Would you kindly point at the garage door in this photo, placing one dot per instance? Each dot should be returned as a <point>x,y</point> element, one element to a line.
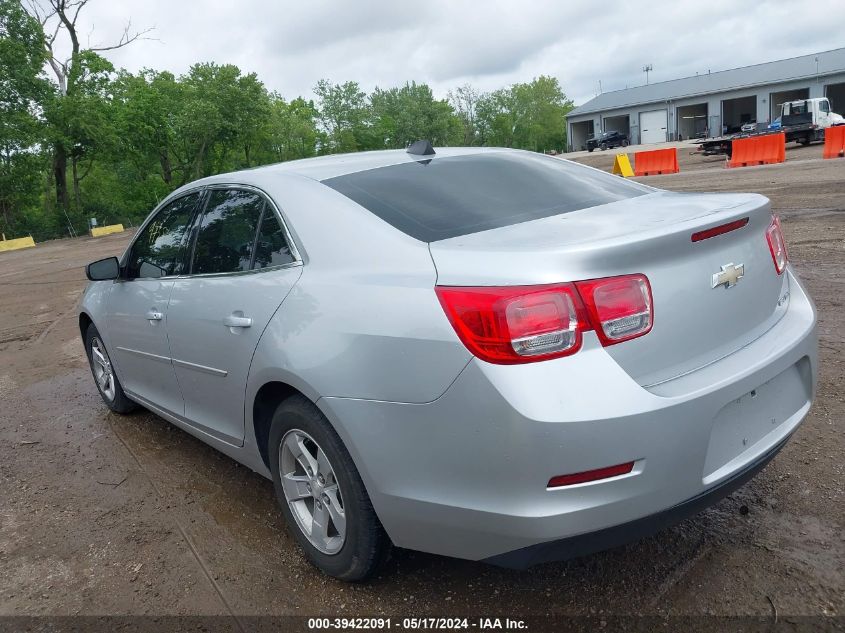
<point>653,126</point>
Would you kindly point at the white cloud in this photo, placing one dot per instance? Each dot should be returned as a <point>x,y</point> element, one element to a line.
<point>449,42</point>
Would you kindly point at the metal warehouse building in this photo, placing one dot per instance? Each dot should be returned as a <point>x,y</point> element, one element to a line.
<point>710,104</point>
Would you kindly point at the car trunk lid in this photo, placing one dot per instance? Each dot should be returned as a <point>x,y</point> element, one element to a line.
<point>695,323</point>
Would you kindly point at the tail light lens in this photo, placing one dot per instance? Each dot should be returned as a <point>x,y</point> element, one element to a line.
<point>620,308</point>
<point>777,245</point>
<point>522,324</point>
<point>516,324</point>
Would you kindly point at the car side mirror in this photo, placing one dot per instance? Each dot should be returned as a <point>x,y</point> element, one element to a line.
<point>103,269</point>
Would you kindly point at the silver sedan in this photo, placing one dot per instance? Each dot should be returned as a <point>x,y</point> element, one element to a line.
<point>482,353</point>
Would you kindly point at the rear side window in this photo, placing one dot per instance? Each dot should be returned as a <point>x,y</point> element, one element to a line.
<point>437,199</point>
<point>159,250</point>
<point>226,236</point>
<point>271,247</point>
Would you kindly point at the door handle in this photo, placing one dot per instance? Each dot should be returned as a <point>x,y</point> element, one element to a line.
<point>154,315</point>
<point>235,320</point>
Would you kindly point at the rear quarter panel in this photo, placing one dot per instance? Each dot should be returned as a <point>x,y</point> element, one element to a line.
<point>363,321</point>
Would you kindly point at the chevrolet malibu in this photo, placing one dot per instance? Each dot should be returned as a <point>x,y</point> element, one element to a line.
<point>482,353</point>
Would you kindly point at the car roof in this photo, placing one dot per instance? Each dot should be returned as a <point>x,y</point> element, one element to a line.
<point>333,165</point>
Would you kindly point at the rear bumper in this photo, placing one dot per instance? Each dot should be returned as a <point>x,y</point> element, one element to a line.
<point>466,474</point>
<point>616,535</point>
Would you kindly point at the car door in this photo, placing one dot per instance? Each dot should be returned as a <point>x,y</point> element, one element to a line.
<point>137,305</point>
<point>243,267</point>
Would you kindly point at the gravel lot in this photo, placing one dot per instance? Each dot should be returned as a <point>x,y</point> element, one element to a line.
<point>102,514</point>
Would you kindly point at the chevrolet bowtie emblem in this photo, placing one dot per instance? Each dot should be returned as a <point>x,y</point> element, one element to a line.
<point>729,275</point>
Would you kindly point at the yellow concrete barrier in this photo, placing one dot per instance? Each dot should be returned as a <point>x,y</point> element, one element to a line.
<point>99,231</point>
<point>15,244</point>
<point>622,166</point>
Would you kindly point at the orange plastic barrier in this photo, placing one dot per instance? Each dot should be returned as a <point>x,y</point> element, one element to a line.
<point>758,150</point>
<point>657,161</point>
<point>834,142</point>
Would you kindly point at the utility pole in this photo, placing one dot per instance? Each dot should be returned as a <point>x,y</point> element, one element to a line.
<point>647,69</point>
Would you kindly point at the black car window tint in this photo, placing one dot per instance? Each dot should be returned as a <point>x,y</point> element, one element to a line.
<point>226,235</point>
<point>159,250</point>
<point>445,197</point>
<point>271,247</point>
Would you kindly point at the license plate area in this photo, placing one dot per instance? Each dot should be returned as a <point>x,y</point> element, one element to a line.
<point>744,423</point>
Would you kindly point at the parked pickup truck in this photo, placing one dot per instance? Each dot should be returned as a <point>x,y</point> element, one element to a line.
<point>604,140</point>
<point>802,121</point>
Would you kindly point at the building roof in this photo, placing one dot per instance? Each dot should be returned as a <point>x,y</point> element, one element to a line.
<point>829,62</point>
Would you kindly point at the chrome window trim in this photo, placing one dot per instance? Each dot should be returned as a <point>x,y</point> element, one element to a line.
<point>295,264</point>
<point>268,200</point>
<point>222,185</point>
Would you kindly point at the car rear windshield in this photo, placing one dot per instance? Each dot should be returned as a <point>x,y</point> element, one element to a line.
<point>446,197</point>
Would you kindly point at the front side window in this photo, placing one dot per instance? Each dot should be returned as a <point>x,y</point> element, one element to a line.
<point>159,250</point>
<point>824,106</point>
<point>227,231</point>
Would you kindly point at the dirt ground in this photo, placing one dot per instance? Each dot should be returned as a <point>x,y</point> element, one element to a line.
<point>103,514</point>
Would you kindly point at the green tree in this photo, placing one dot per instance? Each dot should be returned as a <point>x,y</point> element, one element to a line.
<point>222,118</point>
<point>291,132</point>
<point>145,107</point>
<point>541,114</point>
<point>80,82</point>
<point>410,113</point>
<point>528,116</point>
<point>464,100</point>
<point>344,116</point>
<point>22,88</point>
<point>78,122</point>
<point>496,118</point>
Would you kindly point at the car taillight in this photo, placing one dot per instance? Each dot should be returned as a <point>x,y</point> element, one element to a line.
<point>522,324</point>
<point>620,308</point>
<point>777,245</point>
<point>516,324</point>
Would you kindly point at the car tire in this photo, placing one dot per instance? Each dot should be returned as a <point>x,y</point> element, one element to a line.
<point>318,493</point>
<point>104,375</point>
<point>624,143</point>
<point>603,146</point>
<point>590,149</point>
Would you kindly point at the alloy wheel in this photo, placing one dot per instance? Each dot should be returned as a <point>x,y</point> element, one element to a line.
<point>103,372</point>
<point>311,490</point>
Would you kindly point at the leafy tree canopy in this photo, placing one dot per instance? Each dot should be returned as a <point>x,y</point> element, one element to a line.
<point>106,143</point>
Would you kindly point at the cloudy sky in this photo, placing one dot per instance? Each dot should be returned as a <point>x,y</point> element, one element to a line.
<point>488,43</point>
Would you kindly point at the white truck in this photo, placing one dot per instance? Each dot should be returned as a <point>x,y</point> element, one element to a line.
<point>802,121</point>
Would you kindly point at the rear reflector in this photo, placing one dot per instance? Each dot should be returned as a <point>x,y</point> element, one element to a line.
<point>591,475</point>
<point>719,230</point>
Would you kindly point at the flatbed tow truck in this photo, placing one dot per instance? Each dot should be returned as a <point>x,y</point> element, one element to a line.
<point>803,121</point>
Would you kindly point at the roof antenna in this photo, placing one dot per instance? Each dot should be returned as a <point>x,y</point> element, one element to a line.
<point>421,148</point>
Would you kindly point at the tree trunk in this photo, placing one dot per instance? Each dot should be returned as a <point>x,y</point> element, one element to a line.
<point>77,194</point>
<point>7,223</point>
<point>199,159</point>
<point>60,176</point>
<point>166,167</point>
